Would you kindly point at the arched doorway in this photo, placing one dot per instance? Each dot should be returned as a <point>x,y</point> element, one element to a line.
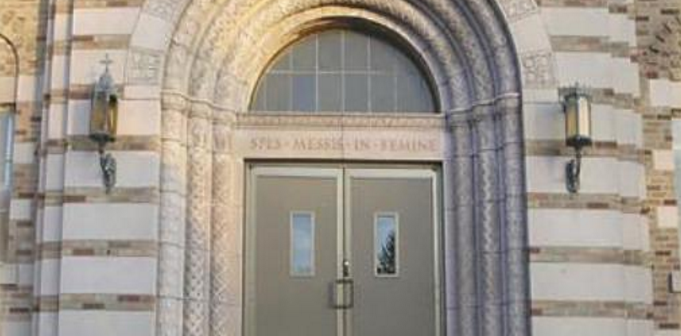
<point>476,139</point>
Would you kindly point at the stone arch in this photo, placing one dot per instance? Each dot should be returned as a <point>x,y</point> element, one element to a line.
<point>209,69</point>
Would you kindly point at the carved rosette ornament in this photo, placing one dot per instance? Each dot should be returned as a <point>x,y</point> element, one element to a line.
<point>212,65</point>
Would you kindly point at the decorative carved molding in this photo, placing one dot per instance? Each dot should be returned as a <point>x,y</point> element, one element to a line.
<point>516,10</point>
<point>538,69</point>
<point>144,66</point>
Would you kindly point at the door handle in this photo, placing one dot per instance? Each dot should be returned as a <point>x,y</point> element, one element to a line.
<point>344,293</point>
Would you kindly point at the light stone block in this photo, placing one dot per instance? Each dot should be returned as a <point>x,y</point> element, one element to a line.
<point>636,232</point>
<point>25,274</point>
<point>134,169</point>
<point>639,284</point>
<point>625,76</point>
<point>47,323</point>
<point>667,217</point>
<point>110,221</point>
<point>79,117</point>
<point>576,282</point>
<point>113,275</point>
<point>61,30</point>
<point>544,121</point>
<point>575,228</point>
<point>582,326</point>
<point>49,276</point>
<point>622,29</point>
<point>576,21</point>
<point>667,333</point>
<point>541,96</point>
<point>54,172</point>
<point>664,93</point>
<point>105,21</point>
<point>20,209</point>
<point>26,91</point>
<point>152,32</point>
<point>603,122</point>
<point>15,327</point>
<point>529,34</point>
<point>547,174</point>
<point>597,70</point>
<point>142,92</point>
<point>632,179</point>
<point>663,160</point>
<point>629,127</point>
<point>140,117</point>
<point>24,153</point>
<point>8,274</point>
<point>106,323</point>
<point>59,66</point>
<point>89,65</point>
<point>55,121</point>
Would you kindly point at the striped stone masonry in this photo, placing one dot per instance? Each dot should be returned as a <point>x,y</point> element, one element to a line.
<point>83,262</point>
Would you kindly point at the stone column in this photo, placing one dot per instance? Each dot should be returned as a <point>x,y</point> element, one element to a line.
<point>464,281</point>
<point>197,254</point>
<point>225,264</point>
<point>489,216</point>
<point>515,233</point>
<point>172,229</point>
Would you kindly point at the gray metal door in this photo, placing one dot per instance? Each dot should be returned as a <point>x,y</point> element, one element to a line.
<point>346,252</point>
<point>392,253</point>
<point>293,252</point>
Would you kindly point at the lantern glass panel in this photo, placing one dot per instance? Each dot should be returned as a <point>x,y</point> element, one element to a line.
<point>104,117</point>
<point>584,109</point>
<point>571,119</point>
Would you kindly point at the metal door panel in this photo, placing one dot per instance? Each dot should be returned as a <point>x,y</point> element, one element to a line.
<point>283,302</point>
<point>403,304</point>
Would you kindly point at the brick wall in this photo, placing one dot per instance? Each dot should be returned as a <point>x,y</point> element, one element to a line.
<point>658,31</point>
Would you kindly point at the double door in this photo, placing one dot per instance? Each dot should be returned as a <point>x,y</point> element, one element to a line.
<point>342,252</point>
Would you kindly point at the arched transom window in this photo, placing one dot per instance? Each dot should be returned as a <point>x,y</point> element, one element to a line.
<point>343,71</point>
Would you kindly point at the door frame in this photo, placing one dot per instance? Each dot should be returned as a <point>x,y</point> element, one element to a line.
<point>343,173</point>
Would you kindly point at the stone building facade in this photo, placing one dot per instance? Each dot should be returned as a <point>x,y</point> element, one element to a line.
<point>164,252</point>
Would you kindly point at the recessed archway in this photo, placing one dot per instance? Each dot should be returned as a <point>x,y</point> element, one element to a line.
<point>212,67</point>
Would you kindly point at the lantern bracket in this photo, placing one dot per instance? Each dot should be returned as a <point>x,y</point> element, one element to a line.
<point>572,171</point>
<point>103,123</point>
<point>576,103</point>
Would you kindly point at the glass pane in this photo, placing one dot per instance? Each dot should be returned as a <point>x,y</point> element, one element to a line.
<point>340,70</point>
<point>330,51</point>
<point>278,92</point>
<point>356,52</point>
<point>386,245</point>
<point>381,56</point>
<point>302,244</point>
<point>356,93</point>
<point>382,93</point>
<point>304,92</point>
<point>412,94</point>
<point>304,55</point>
<point>330,93</point>
<point>283,63</point>
<point>259,99</point>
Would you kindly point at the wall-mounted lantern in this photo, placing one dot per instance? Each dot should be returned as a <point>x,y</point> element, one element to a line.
<point>577,109</point>
<point>104,121</point>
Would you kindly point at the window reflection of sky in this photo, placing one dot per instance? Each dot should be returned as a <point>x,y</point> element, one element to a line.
<point>302,244</point>
<point>386,228</point>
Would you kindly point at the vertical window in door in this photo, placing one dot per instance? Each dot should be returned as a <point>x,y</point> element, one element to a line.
<point>302,244</point>
<point>386,244</point>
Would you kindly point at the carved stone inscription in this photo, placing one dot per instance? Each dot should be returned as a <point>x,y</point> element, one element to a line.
<point>340,144</point>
